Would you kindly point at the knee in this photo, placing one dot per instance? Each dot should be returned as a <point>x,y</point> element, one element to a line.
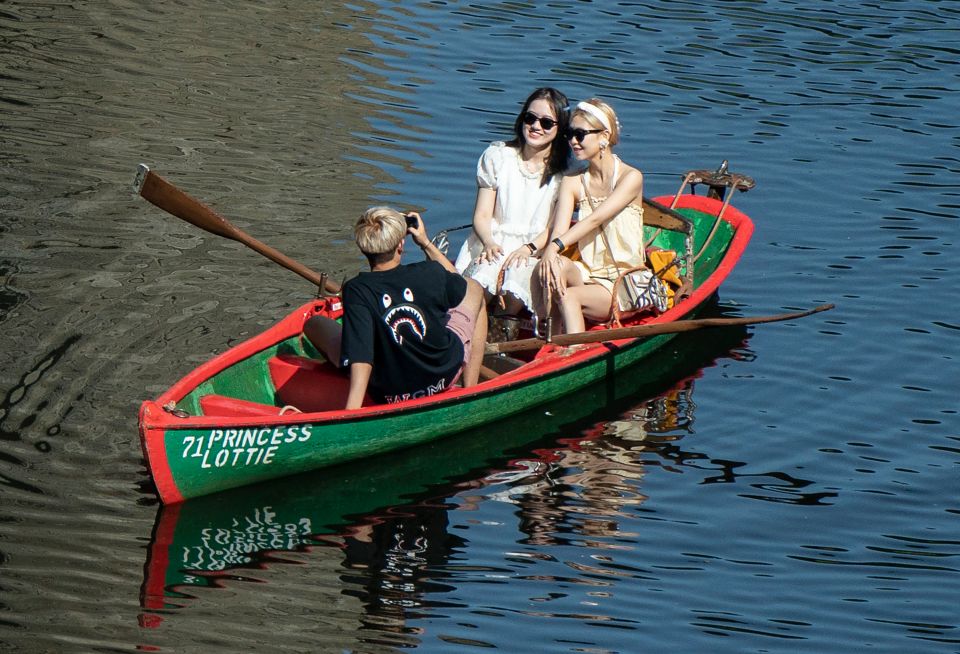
<point>321,325</point>
<point>325,335</point>
<point>571,296</point>
<point>475,296</point>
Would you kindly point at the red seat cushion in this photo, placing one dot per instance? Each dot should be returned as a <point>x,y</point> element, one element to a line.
<point>308,384</point>
<point>221,405</point>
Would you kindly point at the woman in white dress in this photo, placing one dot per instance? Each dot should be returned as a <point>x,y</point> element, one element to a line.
<point>517,187</point>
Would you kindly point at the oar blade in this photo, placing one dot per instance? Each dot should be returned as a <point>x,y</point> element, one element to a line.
<point>157,191</point>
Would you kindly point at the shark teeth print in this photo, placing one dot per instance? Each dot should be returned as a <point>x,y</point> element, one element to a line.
<point>408,319</point>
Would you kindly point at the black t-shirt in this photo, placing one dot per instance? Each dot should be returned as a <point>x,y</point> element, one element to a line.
<point>396,320</point>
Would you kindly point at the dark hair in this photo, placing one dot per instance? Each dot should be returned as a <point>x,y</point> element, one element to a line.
<point>559,147</point>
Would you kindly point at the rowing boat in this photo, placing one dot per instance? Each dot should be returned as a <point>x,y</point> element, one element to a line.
<point>271,406</point>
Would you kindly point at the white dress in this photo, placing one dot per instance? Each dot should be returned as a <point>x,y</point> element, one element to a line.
<point>522,210</point>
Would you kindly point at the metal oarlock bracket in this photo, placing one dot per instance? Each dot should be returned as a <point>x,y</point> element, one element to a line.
<point>171,408</point>
<point>719,181</point>
<point>322,291</point>
<point>322,286</point>
<point>442,241</point>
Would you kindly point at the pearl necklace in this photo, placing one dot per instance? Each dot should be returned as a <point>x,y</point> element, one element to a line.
<point>539,164</point>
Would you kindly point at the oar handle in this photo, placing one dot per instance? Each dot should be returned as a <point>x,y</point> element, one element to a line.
<point>644,331</point>
<point>161,193</point>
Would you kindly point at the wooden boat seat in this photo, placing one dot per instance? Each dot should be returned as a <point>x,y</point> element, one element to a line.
<point>221,405</point>
<point>308,384</point>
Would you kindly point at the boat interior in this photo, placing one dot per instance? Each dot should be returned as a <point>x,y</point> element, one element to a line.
<point>285,377</point>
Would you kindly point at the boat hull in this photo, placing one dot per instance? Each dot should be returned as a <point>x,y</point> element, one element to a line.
<point>196,455</point>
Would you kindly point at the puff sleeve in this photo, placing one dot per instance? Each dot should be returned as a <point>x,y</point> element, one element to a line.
<point>489,166</point>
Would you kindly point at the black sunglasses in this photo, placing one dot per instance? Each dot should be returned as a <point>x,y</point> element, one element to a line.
<point>579,134</point>
<point>531,118</point>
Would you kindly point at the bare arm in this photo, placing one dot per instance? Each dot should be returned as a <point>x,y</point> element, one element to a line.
<point>359,379</point>
<point>550,264</point>
<point>567,197</point>
<point>629,189</point>
<point>483,223</point>
<point>432,252</point>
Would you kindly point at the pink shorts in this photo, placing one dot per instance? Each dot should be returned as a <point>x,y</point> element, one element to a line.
<point>462,324</point>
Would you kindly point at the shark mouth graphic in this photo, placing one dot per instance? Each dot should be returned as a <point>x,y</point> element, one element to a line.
<point>405,319</point>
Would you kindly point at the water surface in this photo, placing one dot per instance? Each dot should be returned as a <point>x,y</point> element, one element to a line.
<point>791,488</point>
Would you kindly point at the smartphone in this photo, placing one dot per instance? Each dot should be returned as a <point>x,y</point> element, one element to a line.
<point>412,221</point>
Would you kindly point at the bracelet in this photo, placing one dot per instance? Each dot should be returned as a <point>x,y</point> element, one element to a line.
<point>533,248</point>
<point>559,244</point>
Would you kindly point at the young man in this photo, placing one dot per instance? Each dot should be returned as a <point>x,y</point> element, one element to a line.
<point>409,330</point>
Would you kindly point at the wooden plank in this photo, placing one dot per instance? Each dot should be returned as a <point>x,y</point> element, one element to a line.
<point>658,215</point>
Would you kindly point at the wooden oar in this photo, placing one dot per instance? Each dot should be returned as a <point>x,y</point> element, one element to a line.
<point>643,331</point>
<point>158,191</point>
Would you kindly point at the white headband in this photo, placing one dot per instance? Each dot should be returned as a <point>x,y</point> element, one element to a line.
<point>596,112</point>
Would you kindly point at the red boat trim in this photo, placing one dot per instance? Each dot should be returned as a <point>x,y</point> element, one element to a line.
<point>155,451</point>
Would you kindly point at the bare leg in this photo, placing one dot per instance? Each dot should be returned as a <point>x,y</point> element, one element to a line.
<point>514,306</point>
<point>325,334</point>
<point>578,300</point>
<point>474,304</point>
<point>586,301</point>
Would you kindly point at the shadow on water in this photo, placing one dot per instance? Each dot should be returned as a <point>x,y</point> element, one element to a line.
<point>390,512</point>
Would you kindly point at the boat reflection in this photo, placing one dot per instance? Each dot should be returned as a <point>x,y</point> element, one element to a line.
<point>584,484</point>
<point>385,520</point>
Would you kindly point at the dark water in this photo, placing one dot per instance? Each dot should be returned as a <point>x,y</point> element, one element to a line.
<point>791,488</point>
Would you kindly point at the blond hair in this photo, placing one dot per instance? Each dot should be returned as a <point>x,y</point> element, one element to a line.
<point>379,230</point>
<point>596,123</point>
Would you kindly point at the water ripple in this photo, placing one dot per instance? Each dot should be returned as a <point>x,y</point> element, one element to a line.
<point>820,458</point>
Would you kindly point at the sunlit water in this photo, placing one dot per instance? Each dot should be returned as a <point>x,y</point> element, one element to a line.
<point>790,488</point>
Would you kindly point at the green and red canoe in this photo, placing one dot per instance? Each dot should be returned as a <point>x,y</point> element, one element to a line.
<point>228,423</point>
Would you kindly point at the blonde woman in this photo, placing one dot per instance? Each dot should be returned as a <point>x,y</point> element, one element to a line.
<point>609,232</point>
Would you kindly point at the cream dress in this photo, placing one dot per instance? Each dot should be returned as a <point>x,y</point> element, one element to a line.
<point>523,208</point>
<point>624,233</point>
